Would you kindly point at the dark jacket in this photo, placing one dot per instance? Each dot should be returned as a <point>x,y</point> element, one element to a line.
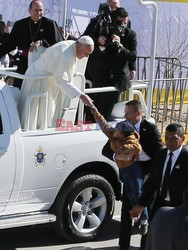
<point>150,140</point>
<point>177,183</point>
<point>20,35</point>
<point>110,67</point>
<point>169,229</point>
<point>23,33</point>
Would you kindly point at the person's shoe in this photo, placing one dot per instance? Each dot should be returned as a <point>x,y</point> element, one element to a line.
<point>135,228</point>
<point>124,248</point>
<point>143,229</point>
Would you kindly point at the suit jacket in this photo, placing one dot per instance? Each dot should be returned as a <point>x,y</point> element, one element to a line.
<point>169,229</point>
<point>112,66</point>
<point>150,140</point>
<point>177,183</point>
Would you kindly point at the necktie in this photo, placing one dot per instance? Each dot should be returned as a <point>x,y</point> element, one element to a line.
<point>166,177</point>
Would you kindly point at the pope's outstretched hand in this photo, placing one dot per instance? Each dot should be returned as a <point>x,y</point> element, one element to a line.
<point>86,100</point>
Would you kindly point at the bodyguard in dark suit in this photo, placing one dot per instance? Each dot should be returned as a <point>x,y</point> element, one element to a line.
<point>150,138</point>
<point>30,33</point>
<point>151,143</point>
<point>169,175</point>
<point>169,228</point>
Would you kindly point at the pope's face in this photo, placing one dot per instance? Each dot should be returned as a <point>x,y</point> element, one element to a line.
<point>83,50</point>
<point>36,11</point>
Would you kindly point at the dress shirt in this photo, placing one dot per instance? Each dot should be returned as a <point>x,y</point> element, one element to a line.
<point>175,156</point>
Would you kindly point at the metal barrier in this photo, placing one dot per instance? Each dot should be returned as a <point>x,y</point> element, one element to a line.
<point>170,102</point>
<point>170,91</point>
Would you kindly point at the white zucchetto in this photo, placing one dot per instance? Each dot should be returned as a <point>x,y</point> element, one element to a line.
<point>87,40</point>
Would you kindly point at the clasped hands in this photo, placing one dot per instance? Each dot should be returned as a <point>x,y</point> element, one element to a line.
<point>35,45</point>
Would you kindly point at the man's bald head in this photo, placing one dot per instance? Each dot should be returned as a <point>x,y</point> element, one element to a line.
<point>31,3</point>
<point>36,10</point>
<point>114,4</point>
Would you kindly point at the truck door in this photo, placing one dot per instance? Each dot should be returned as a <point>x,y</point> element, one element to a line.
<point>7,156</point>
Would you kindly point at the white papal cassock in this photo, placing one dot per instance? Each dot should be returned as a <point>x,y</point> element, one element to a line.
<point>60,61</point>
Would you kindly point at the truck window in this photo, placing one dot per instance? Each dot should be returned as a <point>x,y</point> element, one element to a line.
<point>1,126</point>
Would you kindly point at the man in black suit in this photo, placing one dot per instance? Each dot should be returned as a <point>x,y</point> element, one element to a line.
<point>28,34</point>
<point>151,143</point>
<point>169,228</point>
<point>150,138</point>
<point>108,65</point>
<point>169,175</point>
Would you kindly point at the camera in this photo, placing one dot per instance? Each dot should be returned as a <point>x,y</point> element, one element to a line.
<point>107,26</point>
<point>104,19</point>
<point>117,29</point>
<point>104,12</point>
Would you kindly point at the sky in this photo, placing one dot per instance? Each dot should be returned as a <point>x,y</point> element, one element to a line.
<point>172,20</point>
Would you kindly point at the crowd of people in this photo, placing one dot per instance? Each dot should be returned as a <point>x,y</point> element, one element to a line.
<point>153,176</point>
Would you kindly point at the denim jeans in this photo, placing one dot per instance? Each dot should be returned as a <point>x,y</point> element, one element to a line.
<point>132,178</point>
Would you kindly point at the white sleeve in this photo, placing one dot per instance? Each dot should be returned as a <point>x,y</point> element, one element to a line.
<point>70,89</point>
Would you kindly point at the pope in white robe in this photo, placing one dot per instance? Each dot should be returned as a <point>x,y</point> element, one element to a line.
<point>59,62</point>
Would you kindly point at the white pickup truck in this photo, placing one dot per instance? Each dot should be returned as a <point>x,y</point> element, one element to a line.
<point>52,175</point>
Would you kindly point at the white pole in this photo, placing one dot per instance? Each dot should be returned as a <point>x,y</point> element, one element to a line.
<point>64,16</point>
<point>152,56</point>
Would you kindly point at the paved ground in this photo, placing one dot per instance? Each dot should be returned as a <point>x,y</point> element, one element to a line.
<point>44,238</point>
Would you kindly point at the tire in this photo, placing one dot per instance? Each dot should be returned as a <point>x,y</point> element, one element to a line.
<point>84,208</point>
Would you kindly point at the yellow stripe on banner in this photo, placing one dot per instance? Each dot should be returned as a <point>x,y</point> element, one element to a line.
<point>175,1</point>
<point>125,96</point>
<point>171,98</point>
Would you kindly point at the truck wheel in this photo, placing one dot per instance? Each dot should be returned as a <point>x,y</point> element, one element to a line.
<point>84,208</point>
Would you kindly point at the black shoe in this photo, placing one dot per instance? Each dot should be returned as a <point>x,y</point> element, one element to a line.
<point>143,229</point>
<point>124,248</point>
<point>135,228</point>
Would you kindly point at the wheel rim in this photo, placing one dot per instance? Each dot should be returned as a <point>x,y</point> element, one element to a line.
<point>88,210</point>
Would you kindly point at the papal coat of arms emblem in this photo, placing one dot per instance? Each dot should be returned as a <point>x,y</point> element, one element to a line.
<point>40,157</point>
